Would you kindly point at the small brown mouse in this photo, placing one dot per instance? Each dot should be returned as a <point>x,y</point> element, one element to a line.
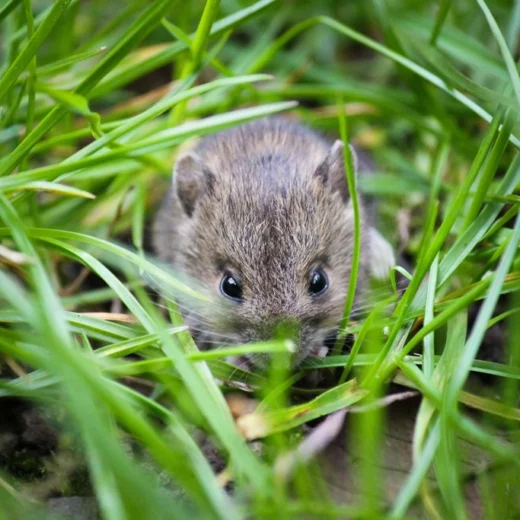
<point>262,217</point>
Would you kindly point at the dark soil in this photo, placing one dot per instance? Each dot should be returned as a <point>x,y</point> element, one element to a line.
<point>26,439</point>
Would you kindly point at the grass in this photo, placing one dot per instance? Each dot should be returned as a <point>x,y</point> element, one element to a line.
<point>97,102</point>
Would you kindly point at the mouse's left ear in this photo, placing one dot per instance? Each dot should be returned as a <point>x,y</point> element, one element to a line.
<point>191,179</point>
<point>332,171</point>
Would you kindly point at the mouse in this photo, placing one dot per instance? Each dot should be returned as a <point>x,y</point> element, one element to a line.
<point>260,215</point>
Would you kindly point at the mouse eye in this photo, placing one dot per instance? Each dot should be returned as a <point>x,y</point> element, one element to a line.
<point>318,282</point>
<point>231,287</point>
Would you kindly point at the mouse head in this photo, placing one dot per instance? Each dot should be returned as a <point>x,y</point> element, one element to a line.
<point>273,242</point>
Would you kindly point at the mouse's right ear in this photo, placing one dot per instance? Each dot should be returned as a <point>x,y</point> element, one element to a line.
<point>332,170</point>
<point>191,179</point>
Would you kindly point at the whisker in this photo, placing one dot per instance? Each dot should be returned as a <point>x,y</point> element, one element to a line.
<point>209,332</point>
<point>216,345</point>
<point>241,366</point>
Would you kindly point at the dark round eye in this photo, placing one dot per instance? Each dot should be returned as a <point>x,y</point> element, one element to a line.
<point>318,283</point>
<point>230,287</point>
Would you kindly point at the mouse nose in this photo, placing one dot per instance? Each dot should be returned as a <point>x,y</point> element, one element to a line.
<point>278,328</point>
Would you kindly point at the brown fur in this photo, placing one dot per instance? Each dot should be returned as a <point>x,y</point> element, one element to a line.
<point>269,202</point>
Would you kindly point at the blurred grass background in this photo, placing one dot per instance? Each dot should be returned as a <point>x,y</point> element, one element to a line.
<point>97,98</point>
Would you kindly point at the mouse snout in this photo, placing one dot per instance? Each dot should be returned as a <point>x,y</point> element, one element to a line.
<point>271,329</point>
<point>265,329</point>
<point>306,340</point>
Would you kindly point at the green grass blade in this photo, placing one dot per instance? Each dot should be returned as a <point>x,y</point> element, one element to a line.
<point>444,9</point>
<point>29,51</point>
<point>354,198</point>
<point>506,53</point>
<point>8,7</point>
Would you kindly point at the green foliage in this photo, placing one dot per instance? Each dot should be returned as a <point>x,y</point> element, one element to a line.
<point>96,101</point>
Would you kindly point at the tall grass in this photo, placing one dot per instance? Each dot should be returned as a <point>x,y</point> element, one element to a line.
<point>98,98</point>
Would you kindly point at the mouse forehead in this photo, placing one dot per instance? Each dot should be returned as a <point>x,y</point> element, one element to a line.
<point>267,229</point>
<point>276,230</point>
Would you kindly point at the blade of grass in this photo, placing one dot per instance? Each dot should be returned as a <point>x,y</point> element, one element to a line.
<point>489,169</point>
<point>417,475</point>
<point>239,350</point>
<point>442,14</point>
<point>514,28</point>
<point>354,202</point>
<point>429,341</point>
<point>257,425</point>
<point>178,33</point>
<point>504,50</point>
<point>447,467</point>
<point>29,51</point>
<point>452,76</point>
<point>31,91</point>
<point>58,66</point>
<point>196,51</point>
<point>8,8</point>
<point>55,188</point>
<point>138,217</point>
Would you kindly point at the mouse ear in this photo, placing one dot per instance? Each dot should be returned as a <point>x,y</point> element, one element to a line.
<point>332,170</point>
<point>191,179</point>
